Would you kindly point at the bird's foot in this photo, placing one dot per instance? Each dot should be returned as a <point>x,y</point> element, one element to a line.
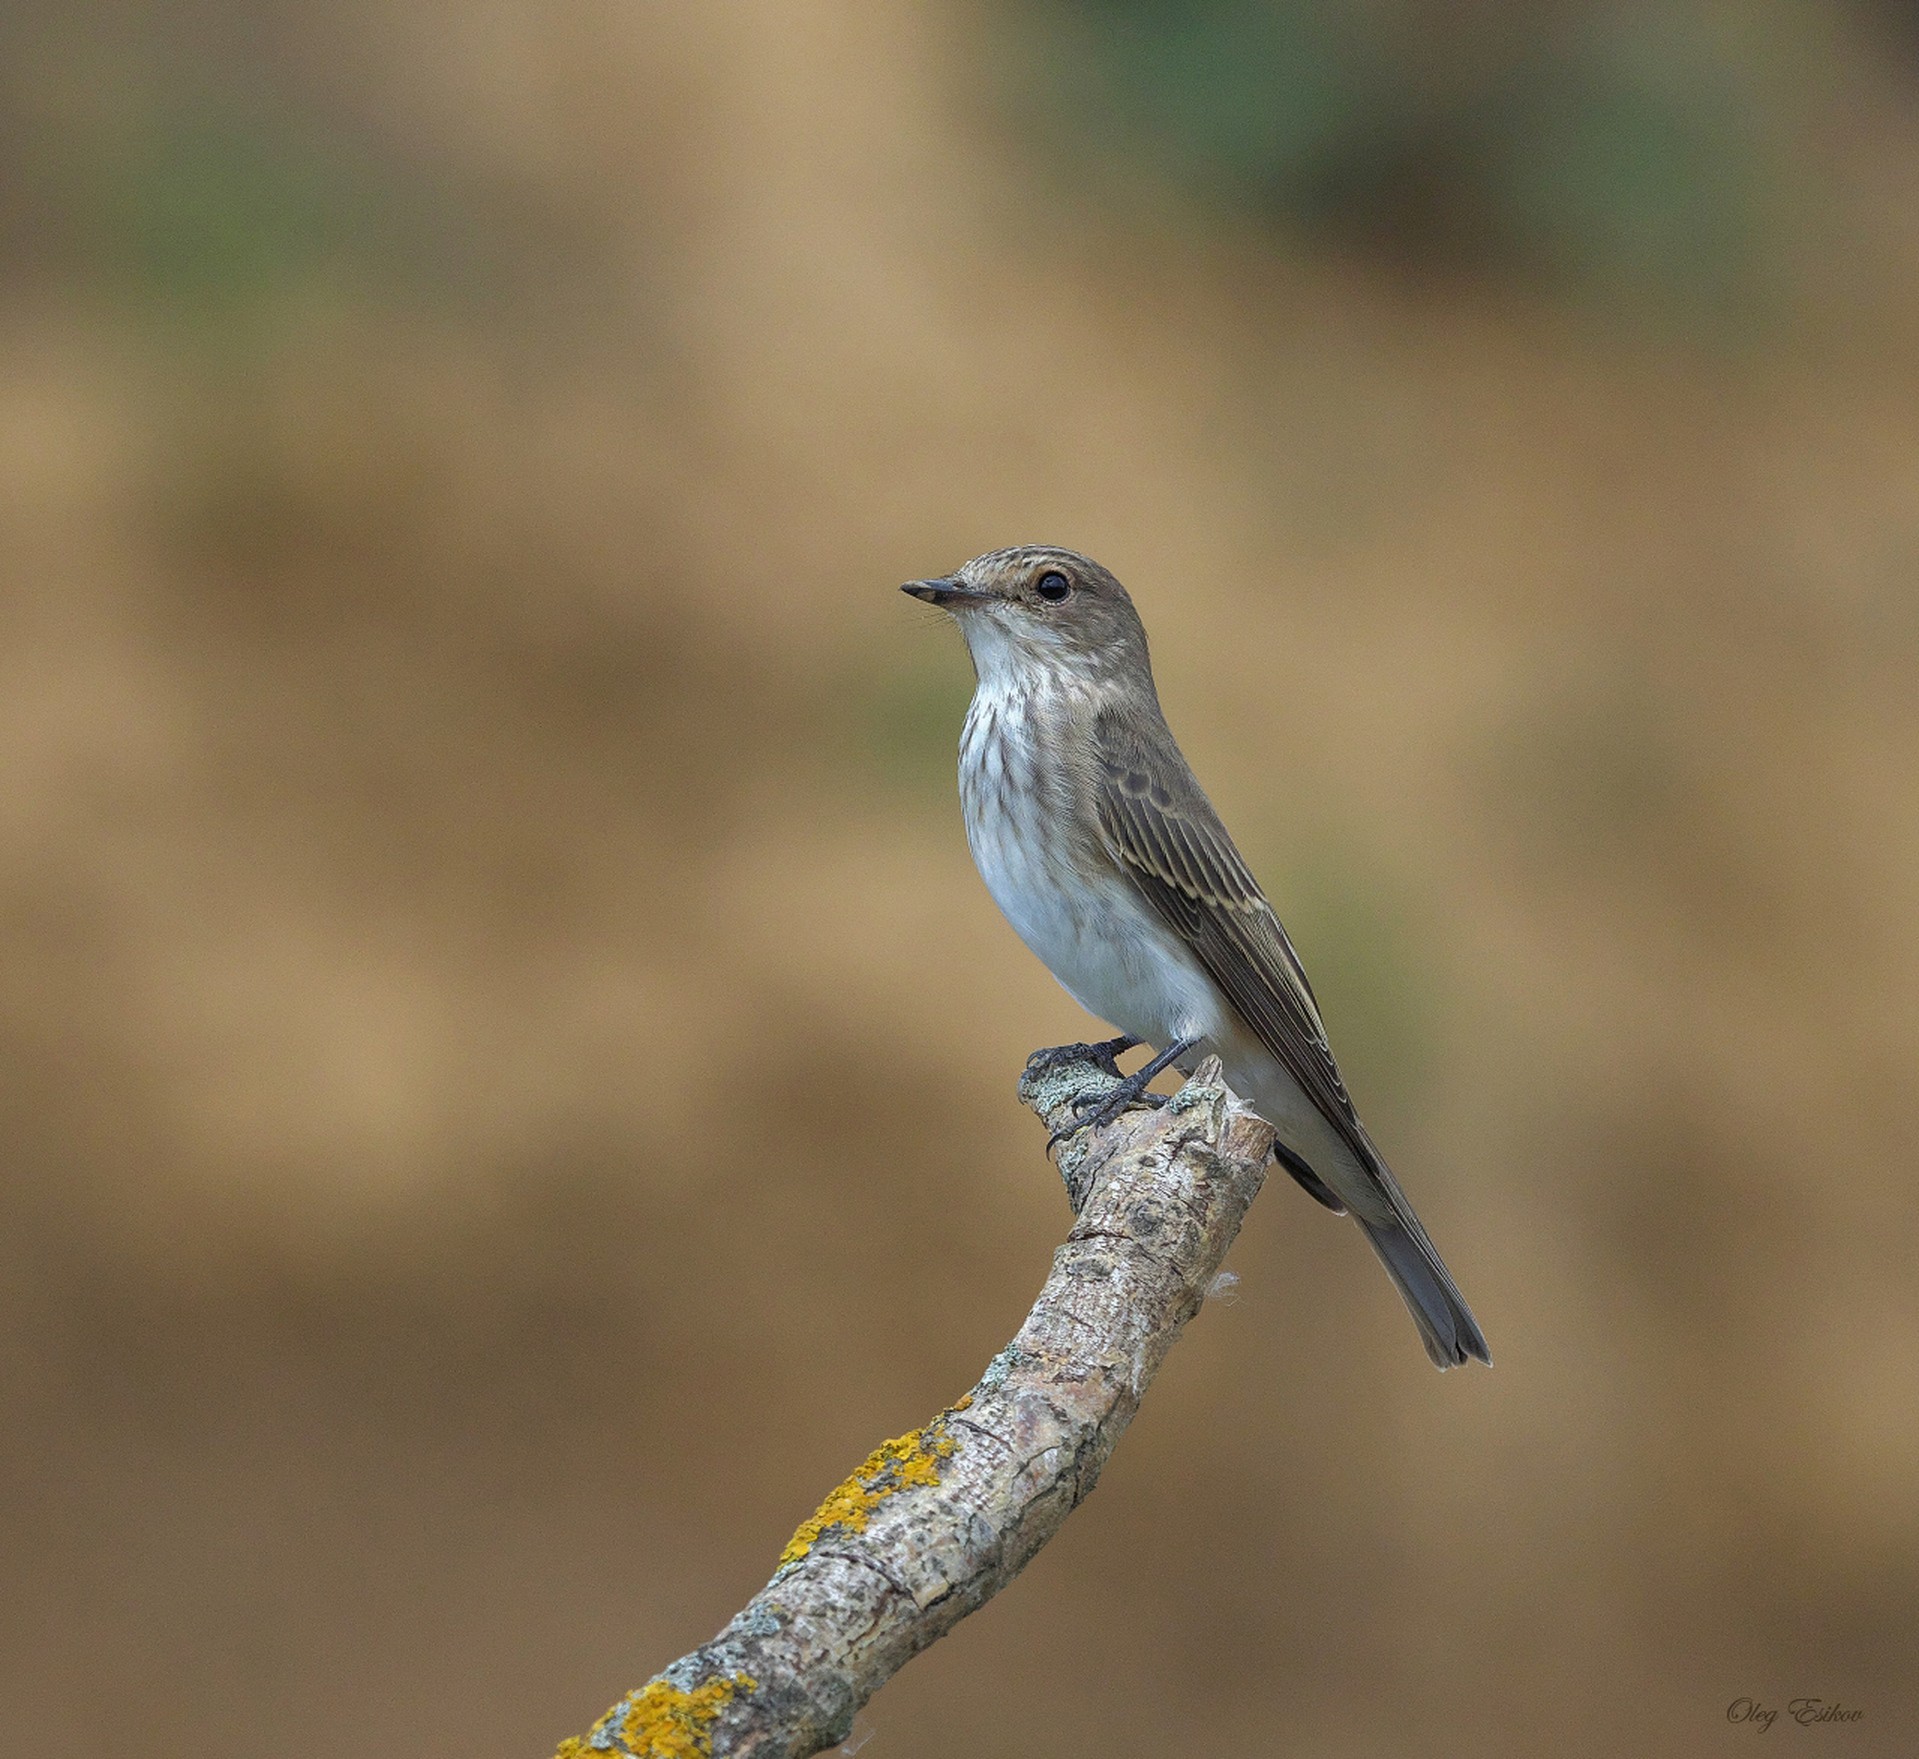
<point>1094,1111</point>
<point>1097,1110</point>
<point>1102,1055</point>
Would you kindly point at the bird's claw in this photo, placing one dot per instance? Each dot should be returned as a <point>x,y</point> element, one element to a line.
<point>1101,1055</point>
<point>1096,1111</point>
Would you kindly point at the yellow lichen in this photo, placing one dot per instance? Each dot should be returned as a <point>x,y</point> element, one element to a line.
<point>662,1722</point>
<point>908,1460</point>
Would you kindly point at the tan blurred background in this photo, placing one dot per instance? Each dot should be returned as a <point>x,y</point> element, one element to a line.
<point>507,1068</point>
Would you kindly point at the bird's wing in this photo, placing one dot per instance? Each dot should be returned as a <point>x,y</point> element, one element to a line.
<point>1168,838</point>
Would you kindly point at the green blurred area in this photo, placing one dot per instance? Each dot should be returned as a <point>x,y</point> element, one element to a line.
<point>1627,155</point>
<point>908,716</point>
<point>506,1065</point>
<point>1371,962</point>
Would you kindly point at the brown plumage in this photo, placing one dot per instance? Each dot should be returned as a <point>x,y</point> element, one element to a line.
<point>1100,846</point>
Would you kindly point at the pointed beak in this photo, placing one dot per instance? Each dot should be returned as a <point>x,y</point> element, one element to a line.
<point>947,593</point>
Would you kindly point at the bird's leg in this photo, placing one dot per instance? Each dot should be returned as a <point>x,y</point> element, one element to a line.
<point>1100,1055</point>
<point>1106,1107</point>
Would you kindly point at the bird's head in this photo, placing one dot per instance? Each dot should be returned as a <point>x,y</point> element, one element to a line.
<point>1037,607</point>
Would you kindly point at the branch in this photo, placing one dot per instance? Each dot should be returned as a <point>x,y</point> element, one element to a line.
<point>937,1522</point>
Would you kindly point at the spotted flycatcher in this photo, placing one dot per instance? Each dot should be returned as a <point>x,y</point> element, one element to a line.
<point>1110,863</point>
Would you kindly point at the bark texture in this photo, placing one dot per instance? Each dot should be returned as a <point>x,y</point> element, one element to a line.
<point>937,1521</point>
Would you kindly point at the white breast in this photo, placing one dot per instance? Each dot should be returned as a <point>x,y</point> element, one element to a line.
<point>1109,951</point>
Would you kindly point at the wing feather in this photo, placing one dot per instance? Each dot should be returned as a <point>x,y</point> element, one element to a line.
<point>1170,841</point>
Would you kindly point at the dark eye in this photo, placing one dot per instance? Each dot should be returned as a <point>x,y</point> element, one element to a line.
<point>1053,586</point>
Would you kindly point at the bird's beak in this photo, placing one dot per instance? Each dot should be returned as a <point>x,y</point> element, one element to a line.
<point>947,593</point>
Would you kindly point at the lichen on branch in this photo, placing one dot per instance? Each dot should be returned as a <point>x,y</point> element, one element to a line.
<point>908,1460</point>
<point>937,1521</point>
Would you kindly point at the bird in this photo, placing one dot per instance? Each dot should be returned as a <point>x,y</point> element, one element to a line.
<point>1104,854</point>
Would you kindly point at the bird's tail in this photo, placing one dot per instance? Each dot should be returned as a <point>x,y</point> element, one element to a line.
<point>1446,1324</point>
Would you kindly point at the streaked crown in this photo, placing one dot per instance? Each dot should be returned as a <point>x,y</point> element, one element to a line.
<point>1038,607</point>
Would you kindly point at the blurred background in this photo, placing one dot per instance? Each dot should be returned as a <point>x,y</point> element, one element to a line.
<point>507,1069</point>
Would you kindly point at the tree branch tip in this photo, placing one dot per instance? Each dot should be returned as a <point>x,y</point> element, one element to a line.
<point>1057,1078</point>
<point>936,1521</point>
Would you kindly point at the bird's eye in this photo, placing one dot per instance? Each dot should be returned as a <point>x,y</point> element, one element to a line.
<point>1053,586</point>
